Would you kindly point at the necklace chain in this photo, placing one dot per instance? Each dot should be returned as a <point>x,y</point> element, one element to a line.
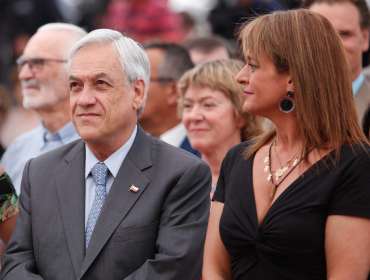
<point>282,168</point>
<point>289,161</point>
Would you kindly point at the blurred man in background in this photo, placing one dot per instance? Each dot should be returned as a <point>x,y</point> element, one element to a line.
<point>168,63</point>
<point>352,20</point>
<point>44,79</point>
<point>209,48</point>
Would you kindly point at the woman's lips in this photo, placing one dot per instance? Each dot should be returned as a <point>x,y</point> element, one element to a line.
<point>198,130</point>
<point>246,93</point>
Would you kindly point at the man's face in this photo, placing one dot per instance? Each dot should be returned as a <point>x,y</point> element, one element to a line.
<point>345,17</point>
<point>156,102</point>
<point>44,89</point>
<point>103,109</point>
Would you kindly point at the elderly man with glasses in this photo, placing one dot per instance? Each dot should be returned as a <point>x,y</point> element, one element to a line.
<point>43,75</point>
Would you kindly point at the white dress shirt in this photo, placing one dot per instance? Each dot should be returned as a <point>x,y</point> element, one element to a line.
<point>113,163</point>
<point>175,136</point>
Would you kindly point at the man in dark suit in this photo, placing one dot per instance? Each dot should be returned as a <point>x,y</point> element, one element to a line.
<point>169,62</point>
<point>352,20</point>
<point>118,204</point>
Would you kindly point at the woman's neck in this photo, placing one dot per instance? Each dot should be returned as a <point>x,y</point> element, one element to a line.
<point>214,158</point>
<point>288,140</point>
<point>287,130</point>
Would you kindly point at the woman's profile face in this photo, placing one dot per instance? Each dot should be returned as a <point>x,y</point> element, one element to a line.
<point>263,86</point>
<point>209,119</point>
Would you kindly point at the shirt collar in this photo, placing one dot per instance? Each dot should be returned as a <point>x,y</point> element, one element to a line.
<point>356,84</point>
<point>174,136</point>
<point>114,162</point>
<point>64,135</point>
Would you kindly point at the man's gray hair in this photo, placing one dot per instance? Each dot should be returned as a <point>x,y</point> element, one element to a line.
<point>135,63</point>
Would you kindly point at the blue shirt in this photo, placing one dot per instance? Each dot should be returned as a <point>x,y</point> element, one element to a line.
<point>32,144</point>
<point>113,163</point>
<point>356,84</point>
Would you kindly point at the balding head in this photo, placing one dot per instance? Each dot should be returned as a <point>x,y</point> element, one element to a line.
<point>71,33</point>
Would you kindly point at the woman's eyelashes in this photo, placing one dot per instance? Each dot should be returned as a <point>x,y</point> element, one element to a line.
<point>252,66</point>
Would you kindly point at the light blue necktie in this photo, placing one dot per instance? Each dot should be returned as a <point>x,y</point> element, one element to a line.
<point>99,173</point>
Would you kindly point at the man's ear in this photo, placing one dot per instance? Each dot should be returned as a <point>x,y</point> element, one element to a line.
<point>172,93</point>
<point>365,43</point>
<point>139,90</point>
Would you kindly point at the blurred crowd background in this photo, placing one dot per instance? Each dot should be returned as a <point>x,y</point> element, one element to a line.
<point>177,21</point>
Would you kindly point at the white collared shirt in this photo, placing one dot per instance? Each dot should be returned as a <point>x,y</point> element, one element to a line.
<point>175,136</point>
<point>113,163</point>
<point>357,84</point>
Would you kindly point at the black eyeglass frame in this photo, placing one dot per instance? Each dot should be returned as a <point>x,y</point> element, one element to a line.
<point>33,61</point>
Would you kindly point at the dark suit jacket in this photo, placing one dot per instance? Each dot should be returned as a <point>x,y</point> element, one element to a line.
<point>362,99</point>
<point>155,233</point>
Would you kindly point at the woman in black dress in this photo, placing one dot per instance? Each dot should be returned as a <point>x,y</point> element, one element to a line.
<point>295,202</point>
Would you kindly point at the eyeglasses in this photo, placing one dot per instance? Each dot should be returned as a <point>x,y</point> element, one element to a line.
<point>36,64</point>
<point>161,79</point>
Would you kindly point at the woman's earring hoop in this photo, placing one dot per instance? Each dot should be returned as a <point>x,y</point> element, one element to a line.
<point>287,103</point>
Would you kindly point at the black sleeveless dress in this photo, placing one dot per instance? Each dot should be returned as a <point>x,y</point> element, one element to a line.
<point>290,241</point>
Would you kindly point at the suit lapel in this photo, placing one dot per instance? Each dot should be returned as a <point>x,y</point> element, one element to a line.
<point>70,181</point>
<point>120,200</point>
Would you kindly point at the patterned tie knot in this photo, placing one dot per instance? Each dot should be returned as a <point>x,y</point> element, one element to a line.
<point>100,173</point>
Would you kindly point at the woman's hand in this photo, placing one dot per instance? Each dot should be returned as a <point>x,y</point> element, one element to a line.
<point>216,260</point>
<point>347,247</point>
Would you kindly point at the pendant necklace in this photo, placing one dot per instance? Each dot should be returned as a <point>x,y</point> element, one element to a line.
<point>282,168</point>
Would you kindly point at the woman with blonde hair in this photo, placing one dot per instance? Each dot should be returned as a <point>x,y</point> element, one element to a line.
<point>294,203</point>
<point>211,106</point>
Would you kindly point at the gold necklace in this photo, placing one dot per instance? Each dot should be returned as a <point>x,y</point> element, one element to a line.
<point>269,178</point>
<point>282,167</point>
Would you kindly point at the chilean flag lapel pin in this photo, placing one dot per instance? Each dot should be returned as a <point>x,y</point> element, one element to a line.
<point>133,188</point>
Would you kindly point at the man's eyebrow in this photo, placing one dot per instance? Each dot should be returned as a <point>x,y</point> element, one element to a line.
<point>102,75</point>
<point>97,76</point>
<point>73,78</point>
<point>35,57</point>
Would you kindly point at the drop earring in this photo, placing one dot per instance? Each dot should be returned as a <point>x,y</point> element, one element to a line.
<point>287,104</point>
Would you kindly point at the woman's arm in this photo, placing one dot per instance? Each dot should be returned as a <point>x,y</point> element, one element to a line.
<point>216,260</point>
<point>6,228</point>
<point>347,247</point>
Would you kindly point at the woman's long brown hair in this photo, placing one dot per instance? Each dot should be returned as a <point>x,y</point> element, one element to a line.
<point>307,44</point>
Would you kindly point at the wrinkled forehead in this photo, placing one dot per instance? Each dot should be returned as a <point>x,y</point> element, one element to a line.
<point>90,61</point>
<point>94,54</point>
<point>48,44</point>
